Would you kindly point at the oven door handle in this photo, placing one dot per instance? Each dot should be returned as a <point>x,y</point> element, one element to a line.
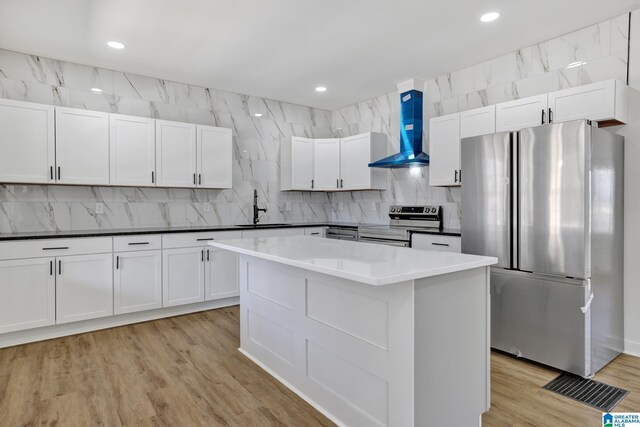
<point>390,242</point>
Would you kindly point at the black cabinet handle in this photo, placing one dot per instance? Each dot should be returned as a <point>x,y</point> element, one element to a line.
<point>312,183</point>
<point>315,234</point>
<point>439,244</point>
<point>59,267</point>
<point>341,183</point>
<point>50,268</point>
<point>550,115</point>
<point>138,243</point>
<point>202,255</point>
<point>153,177</point>
<point>117,262</point>
<point>199,179</point>
<point>204,239</point>
<point>194,179</point>
<point>51,172</point>
<point>455,176</point>
<point>542,116</point>
<point>58,172</point>
<point>337,183</point>
<point>460,176</point>
<point>55,248</point>
<point>207,254</point>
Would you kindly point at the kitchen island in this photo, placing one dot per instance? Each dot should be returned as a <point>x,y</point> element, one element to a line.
<point>368,334</point>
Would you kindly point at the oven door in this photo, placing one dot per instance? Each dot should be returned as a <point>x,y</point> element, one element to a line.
<point>381,241</point>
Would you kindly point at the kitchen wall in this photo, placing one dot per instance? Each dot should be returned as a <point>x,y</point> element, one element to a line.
<point>256,157</point>
<point>529,71</point>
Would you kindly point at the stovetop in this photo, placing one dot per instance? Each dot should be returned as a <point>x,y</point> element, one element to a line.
<point>405,219</point>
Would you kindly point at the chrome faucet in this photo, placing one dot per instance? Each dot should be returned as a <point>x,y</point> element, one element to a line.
<point>256,209</point>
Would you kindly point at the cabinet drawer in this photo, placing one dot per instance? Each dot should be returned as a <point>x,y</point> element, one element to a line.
<point>434,242</point>
<point>185,240</point>
<point>54,247</point>
<point>143,242</point>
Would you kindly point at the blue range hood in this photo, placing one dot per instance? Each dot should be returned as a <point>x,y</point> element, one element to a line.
<point>411,154</point>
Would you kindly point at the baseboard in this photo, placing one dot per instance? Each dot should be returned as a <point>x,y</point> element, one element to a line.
<point>57,331</point>
<point>632,348</point>
<point>294,389</point>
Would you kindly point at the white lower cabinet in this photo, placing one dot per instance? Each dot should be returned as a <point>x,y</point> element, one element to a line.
<point>273,232</point>
<point>220,274</point>
<point>27,294</point>
<point>137,281</point>
<point>434,242</point>
<point>182,276</point>
<point>84,287</point>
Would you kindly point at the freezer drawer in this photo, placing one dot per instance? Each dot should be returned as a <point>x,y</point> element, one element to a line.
<point>542,319</point>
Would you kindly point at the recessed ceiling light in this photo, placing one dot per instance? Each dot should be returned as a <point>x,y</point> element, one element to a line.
<point>115,45</point>
<point>321,89</point>
<point>490,16</point>
<point>258,114</point>
<point>96,90</point>
<point>576,64</point>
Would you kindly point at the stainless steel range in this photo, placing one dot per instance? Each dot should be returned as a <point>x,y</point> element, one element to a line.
<point>403,220</point>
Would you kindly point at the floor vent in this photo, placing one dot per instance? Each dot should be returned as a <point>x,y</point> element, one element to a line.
<point>593,393</point>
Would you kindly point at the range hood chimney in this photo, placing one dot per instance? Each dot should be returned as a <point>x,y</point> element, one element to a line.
<point>411,153</point>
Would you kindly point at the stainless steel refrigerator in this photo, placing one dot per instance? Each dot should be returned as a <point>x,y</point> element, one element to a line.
<point>548,203</point>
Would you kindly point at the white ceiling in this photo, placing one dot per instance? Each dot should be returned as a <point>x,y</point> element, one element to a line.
<point>283,49</point>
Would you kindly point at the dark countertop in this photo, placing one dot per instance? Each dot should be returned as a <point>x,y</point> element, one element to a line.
<point>190,229</point>
<point>444,232</point>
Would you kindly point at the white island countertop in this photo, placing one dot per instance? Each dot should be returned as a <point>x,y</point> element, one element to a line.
<point>361,262</point>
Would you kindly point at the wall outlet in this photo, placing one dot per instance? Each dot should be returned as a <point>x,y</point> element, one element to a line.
<point>207,206</point>
<point>99,208</point>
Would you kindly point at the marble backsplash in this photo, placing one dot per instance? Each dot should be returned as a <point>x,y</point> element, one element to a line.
<point>256,152</point>
<point>595,53</point>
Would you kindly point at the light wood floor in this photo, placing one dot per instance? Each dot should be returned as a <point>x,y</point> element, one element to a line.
<point>187,371</point>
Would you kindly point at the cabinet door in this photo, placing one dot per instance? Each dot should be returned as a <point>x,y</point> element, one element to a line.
<point>175,154</point>
<point>596,101</point>
<point>220,274</point>
<point>132,142</point>
<point>355,156</point>
<point>326,164</point>
<point>302,164</point>
<point>182,276</point>
<point>444,150</point>
<point>479,121</point>
<point>84,287</point>
<point>215,157</point>
<point>82,146</point>
<point>521,113</point>
<point>26,142</point>
<point>137,281</point>
<point>27,294</point>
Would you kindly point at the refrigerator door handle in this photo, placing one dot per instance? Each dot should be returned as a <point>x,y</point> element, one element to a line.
<point>515,199</point>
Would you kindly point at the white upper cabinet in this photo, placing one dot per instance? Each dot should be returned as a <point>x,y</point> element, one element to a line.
<point>479,121</point>
<point>214,157</point>
<point>356,152</point>
<point>175,154</point>
<point>326,164</point>
<point>444,150</point>
<point>521,113</point>
<point>26,142</point>
<point>601,101</point>
<point>82,146</point>
<point>297,164</point>
<point>132,143</point>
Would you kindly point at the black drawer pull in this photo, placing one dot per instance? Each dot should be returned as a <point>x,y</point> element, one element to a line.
<point>204,239</point>
<point>315,234</point>
<point>440,244</point>
<point>55,249</point>
<point>138,243</point>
